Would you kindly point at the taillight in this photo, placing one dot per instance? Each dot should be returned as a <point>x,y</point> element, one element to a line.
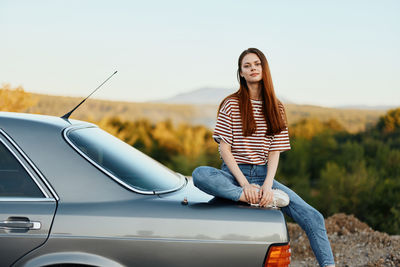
<point>278,256</point>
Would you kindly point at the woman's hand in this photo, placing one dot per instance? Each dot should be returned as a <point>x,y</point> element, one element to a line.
<point>251,193</point>
<point>266,195</point>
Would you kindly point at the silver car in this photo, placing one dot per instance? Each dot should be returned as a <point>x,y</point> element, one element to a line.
<point>70,193</point>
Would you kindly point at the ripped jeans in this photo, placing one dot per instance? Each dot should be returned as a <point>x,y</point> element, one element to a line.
<point>221,183</point>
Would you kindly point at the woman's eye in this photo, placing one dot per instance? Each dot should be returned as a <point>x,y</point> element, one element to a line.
<point>258,64</point>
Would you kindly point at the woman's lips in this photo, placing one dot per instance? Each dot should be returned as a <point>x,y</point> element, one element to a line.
<point>254,74</point>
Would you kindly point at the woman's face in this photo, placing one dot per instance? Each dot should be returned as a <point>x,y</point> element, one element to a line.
<point>251,69</point>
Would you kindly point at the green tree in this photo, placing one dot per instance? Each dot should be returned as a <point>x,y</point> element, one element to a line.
<point>390,122</point>
<point>383,204</point>
<point>350,154</point>
<point>345,191</point>
<point>294,167</point>
<point>323,148</point>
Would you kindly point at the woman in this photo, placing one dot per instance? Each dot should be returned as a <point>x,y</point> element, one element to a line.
<point>251,131</point>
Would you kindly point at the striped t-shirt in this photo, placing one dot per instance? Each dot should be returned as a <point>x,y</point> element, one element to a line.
<point>248,149</point>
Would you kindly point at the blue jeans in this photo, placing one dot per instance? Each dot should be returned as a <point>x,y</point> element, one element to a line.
<point>221,183</point>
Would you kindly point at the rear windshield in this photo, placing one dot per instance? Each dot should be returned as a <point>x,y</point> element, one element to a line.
<point>125,163</point>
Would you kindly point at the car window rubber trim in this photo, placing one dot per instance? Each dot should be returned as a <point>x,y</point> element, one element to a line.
<point>26,199</point>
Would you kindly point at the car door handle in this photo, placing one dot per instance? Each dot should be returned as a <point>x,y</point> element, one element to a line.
<point>22,224</point>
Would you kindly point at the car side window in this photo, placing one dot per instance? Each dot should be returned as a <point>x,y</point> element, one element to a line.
<point>14,179</point>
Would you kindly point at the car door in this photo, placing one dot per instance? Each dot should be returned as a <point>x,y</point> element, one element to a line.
<point>27,207</point>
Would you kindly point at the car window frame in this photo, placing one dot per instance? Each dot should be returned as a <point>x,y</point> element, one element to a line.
<point>31,170</point>
<point>108,173</point>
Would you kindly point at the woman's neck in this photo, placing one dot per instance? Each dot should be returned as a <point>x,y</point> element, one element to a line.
<point>254,90</point>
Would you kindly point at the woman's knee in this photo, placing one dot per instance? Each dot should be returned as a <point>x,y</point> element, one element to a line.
<point>303,213</point>
<point>315,217</point>
<point>318,217</point>
<point>200,174</point>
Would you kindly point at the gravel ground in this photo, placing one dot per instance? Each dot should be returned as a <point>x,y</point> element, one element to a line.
<point>353,243</point>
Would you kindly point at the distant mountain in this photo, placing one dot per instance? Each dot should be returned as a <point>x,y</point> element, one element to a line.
<point>365,107</point>
<point>205,96</point>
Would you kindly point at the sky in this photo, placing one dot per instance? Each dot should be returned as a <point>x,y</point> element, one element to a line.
<point>328,53</point>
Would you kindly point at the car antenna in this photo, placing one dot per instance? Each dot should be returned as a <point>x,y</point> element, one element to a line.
<point>66,116</point>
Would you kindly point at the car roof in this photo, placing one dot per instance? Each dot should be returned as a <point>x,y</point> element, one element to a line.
<point>9,121</point>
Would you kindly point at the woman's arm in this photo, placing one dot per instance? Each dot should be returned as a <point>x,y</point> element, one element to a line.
<point>266,193</point>
<point>250,191</point>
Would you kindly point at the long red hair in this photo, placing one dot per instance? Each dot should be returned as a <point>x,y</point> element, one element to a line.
<point>276,120</point>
